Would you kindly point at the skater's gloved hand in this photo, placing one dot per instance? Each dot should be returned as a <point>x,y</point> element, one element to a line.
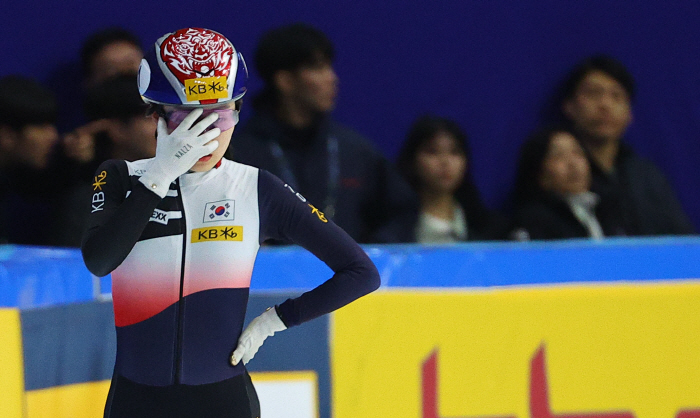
<point>255,334</point>
<point>179,150</point>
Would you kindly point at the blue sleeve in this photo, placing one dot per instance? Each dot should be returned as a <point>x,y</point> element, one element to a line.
<point>286,215</point>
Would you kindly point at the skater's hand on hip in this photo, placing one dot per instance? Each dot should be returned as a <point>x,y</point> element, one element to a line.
<point>255,334</point>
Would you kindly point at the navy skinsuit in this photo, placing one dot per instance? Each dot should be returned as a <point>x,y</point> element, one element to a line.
<point>181,269</point>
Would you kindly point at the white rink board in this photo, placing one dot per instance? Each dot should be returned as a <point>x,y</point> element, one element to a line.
<point>287,394</point>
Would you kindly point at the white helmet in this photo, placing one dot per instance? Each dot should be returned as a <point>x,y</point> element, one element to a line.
<point>192,67</point>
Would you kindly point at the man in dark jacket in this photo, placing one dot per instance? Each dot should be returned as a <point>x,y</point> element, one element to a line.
<point>293,136</point>
<point>597,100</point>
<point>30,182</point>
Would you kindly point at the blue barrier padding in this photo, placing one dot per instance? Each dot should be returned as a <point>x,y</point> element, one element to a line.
<point>570,261</point>
<point>37,276</point>
<point>496,264</point>
<point>66,344</point>
<point>34,276</point>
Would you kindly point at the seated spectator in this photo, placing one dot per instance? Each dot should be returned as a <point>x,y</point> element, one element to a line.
<point>104,54</point>
<point>293,135</point>
<point>109,52</point>
<point>29,186</point>
<point>434,160</point>
<point>117,105</point>
<point>120,129</point>
<point>597,100</point>
<point>552,191</point>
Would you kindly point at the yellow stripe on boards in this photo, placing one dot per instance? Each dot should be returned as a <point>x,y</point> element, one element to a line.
<point>81,400</point>
<point>11,365</point>
<point>630,348</point>
<point>290,394</point>
<point>301,375</point>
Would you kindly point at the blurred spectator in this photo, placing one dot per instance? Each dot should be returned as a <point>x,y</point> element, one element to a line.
<point>117,105</point>
<point>109,52</point>
<point>29,186</point>
<point>292,135</point>
<point>552,191</point>
<point>597,99</point>
<point>104,54</point>
<point>121,130</point>
<point>434,160</point>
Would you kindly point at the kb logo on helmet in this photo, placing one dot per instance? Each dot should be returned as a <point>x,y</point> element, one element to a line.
<point>205,88</point>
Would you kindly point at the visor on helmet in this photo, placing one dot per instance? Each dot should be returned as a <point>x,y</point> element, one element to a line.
<point>228,118</point>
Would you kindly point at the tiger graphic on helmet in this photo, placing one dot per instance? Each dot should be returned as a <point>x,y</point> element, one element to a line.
<point>197,52</point>
<point>193,67</point>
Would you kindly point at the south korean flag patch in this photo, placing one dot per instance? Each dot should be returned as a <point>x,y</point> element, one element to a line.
<point>223,210</point>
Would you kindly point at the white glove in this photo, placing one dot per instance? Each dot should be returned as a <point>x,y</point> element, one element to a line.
<point>178,151</point>
<point>255,334</point>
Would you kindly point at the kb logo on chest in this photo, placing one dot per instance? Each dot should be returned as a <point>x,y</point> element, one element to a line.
<point>217,233</point>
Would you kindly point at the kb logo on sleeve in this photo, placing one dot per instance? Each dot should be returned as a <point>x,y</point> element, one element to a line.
<point>98,197</point>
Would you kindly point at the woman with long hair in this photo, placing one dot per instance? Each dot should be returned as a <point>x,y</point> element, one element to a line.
<point>552,193</point>
<point>434,159</point>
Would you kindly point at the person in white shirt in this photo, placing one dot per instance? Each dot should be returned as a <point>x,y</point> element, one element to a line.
<point>434,159</point>
<point>552,193</point>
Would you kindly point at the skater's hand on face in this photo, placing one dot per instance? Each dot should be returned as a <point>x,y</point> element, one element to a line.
<point>179,150</point>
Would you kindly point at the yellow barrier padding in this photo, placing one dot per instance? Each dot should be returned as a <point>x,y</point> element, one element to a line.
<point>82,400</point>
<point>292,394</point>
<point>593,350</point>
<point>11,365</point>
<point>298,375</point>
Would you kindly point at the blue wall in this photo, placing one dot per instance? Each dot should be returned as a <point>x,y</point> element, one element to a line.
<point>33,277</point>
<point>491,65</point>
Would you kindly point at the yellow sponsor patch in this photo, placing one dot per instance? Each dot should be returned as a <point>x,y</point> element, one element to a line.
<point>100,181</point>
<point>318,213</point>
<point>206,88</point>
<point>218,233</point>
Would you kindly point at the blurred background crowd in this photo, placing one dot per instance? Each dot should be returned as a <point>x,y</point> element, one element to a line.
<point>586,164</point>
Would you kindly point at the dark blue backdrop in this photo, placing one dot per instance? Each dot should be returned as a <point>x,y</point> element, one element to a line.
<point>489,64</point>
